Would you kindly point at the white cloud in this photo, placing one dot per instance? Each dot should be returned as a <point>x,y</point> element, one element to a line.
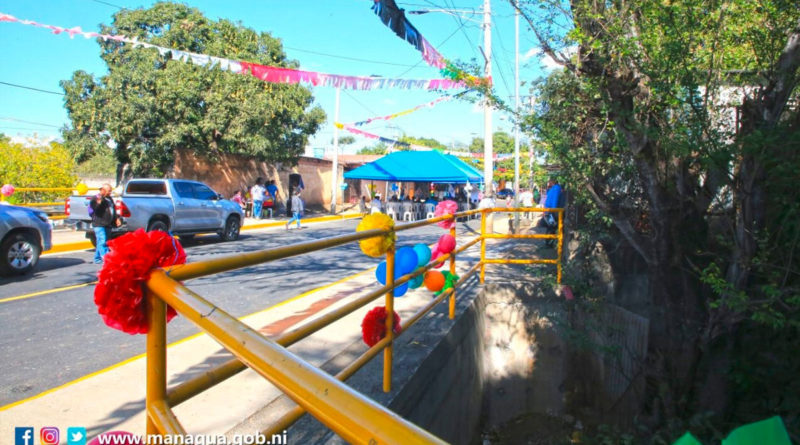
<point>549,64</point>
<point>530,54</point>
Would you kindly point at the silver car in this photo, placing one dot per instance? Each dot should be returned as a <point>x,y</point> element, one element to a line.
<point>24,234</point>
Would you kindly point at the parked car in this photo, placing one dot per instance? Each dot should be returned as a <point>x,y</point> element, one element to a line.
<point>505,193</point>
<point>24,234</point>
<point>179,206</point>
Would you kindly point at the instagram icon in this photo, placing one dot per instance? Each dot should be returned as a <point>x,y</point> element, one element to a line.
<point>48,435</point>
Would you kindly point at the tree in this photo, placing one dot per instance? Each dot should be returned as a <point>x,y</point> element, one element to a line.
<point>643,117</point>
<point>40,165</point>
<point>502,142</point>
<point>425,142</point>
<point>346,140</point>
<point>149,105</point>
<point>378,149</point>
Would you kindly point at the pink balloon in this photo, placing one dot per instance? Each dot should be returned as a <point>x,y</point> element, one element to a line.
<point>435,256</point>
<point>446,243</point>
<point>7,190</point>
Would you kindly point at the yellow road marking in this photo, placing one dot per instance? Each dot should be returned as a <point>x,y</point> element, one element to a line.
<point>45,292</point>
<point>85,245</point>
<point>125,362</point>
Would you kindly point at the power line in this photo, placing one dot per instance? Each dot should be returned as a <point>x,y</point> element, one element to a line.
<point>28,122</point>
<point>422,60</point>
<point>346,57</point>
<point>28,129</point>
<point>108,4</point>
<point>31,88</point>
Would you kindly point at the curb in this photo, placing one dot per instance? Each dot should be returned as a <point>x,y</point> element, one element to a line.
<point>87,245</point>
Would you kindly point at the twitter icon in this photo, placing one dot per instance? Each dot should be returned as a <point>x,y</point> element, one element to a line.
<point>76,435</point>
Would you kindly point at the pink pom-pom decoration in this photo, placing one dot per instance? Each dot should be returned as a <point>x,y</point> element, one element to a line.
<point>446,208</point>
<point>7,190</point>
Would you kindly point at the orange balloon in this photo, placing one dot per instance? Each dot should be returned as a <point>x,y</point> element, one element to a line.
<point>434,280</point>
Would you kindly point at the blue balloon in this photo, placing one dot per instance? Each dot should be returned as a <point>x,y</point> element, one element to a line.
<point>380,273</point>
<point>405,260</point>
<point>401,290</point>
<point>423,254</point>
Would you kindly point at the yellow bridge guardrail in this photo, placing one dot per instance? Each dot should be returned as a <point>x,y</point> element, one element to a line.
<point>69,191</point>
<point>350,414</point>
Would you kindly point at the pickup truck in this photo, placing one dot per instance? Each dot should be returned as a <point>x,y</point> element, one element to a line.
<point>179,206</point>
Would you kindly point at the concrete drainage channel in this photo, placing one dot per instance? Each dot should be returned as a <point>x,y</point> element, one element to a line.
<point>502,372</point>
<point>498,359</point>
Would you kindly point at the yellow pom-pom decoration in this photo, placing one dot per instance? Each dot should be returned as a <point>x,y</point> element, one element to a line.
<point>82,189</point>
<point>377,245</point>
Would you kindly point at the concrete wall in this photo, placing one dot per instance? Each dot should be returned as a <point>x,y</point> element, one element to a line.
<point>231,172</point>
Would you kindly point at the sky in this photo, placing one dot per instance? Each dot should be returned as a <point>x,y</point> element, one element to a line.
<point>331,36</point>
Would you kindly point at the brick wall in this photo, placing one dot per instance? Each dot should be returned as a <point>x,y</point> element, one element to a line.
<point>231,172</point>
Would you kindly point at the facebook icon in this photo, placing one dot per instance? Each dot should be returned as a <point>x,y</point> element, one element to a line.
<point>23,435</point>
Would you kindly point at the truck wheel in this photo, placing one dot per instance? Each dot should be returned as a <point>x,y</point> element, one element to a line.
<point>231,231</point>
<point>19,254</point>
<point>158,225</point>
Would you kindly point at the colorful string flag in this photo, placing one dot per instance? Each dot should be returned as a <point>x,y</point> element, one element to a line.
<point>395,19</point>
<point>263,72</point>
<point>430,104</point>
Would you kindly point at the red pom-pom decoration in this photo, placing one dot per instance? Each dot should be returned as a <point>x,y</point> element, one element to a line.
<point>373,327</point>
<point>119,294</point>
<point>446,208</point>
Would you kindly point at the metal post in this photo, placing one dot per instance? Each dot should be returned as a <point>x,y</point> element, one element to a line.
<point>516,119</point>
<point>560,242</point>
<point>335,170</point>
<point>483,244</point>
<point>156,357</point>
<point>387,353</point>
<point>453,272</point>
<point>488,169</point>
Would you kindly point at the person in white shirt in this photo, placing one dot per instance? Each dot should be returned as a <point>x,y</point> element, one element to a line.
<point>257,195</point>
<point>376,204</point>
<point>527,200</point>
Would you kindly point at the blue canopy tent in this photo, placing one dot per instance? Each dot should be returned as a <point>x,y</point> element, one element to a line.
<point>417,166</point>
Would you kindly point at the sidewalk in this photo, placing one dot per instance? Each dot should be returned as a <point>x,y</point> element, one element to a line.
<point>68,240</point>
<point>113,398</point>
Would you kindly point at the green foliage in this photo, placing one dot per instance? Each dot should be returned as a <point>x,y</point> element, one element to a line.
<point>425,142</point>
<point>677,127</point>
<point>346,140</point>
<point>149,105</point>
<point>102,163</point>
<point>378,149</point>
<point>44,165</point>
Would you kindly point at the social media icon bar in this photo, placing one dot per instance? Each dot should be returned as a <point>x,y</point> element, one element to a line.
<point>23,435</point>
<point>49,435</point>
<point>76,435</point>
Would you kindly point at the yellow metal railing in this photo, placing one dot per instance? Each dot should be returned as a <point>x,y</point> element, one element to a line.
<point>68,190</point>
<point>350,414</point>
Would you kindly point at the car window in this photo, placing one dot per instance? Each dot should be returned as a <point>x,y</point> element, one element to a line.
<point>183,189</point>
<point>203,192</point>
<point>146,188</point>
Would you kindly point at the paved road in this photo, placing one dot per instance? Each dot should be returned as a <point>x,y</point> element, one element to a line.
<point>52,338</point>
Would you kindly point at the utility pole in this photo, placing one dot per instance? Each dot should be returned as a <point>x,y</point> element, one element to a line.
<point>488,167</point>
<point>516,121</point>
<point>335,170</point>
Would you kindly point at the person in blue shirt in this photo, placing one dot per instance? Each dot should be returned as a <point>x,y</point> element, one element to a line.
<point>553,201</point>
